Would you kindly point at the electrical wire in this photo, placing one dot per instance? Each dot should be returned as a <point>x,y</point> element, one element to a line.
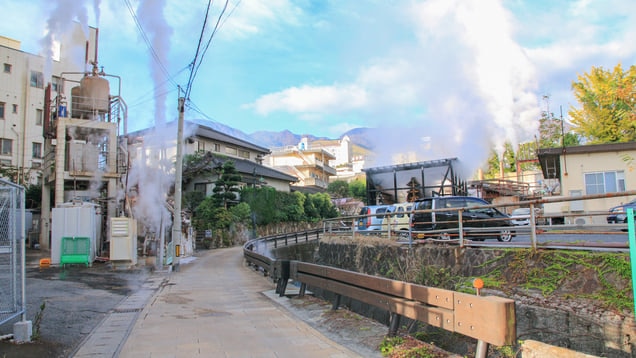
<point>196,53</point>
<point>196,63</point>
<point>148,42</point>
<point>151,95</point>
<point>207,45</point>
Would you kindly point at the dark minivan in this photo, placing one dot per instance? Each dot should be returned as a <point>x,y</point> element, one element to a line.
<point>444,218</point>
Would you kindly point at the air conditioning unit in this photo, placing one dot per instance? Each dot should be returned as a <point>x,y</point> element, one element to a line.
<point>123,241</point>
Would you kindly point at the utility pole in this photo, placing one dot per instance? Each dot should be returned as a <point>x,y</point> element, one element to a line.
<point>176,225</point>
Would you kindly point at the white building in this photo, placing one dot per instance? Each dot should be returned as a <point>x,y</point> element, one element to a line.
<point>24,78</point>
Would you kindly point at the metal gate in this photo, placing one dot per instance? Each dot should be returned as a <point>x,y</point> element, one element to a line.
<point>12,252</point>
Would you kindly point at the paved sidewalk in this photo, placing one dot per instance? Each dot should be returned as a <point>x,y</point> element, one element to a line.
<point>214,306</point>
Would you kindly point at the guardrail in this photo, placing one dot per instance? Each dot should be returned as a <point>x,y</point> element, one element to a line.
<point>256,252</point>
<point>489,319</point>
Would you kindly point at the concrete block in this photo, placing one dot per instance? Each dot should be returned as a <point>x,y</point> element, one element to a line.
<point>22,331</point>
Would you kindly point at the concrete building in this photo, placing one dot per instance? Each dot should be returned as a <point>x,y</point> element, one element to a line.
<point>590,170</point>
<point>308,163</point>
<point>24,79</point>
<point>349,158</point>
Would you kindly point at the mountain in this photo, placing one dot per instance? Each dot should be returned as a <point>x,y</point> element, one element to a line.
<point>363,137</point>
<point>280,139</point>
<point>269,139</point>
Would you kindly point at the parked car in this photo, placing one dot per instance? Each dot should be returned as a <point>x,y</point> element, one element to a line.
<point>521,216</point>
<point>374,216</point>
<point>618,214</point>
<point>398,221</point>
<point>444,218</point>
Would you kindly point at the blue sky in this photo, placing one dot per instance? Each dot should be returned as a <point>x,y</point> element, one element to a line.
<point>441,77</point>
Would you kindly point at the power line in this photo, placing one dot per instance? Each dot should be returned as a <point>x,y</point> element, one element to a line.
<point>196,63</point>
<point>150,95</point>
<point>148,42</point>
<point>196,53</point>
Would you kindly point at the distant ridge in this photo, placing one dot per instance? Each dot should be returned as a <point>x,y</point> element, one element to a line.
<point>362,137</point>
<point>269,139</point>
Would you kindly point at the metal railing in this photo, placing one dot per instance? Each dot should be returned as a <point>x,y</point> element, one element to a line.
<point>539,222</point>
<point>12,252</point>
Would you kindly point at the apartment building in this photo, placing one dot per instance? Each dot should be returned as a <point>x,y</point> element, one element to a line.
<point>24,78</point>
<point>310,164</point>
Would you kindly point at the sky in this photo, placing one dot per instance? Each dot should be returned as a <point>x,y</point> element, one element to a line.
<point>440,78</point>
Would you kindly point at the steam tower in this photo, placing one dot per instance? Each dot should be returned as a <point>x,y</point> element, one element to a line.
<point>83,161</point>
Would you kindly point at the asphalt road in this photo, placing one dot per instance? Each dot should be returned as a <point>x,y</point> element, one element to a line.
<point>74,300</point>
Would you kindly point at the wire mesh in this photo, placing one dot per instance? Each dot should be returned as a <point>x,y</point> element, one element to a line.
<point>12,253</point>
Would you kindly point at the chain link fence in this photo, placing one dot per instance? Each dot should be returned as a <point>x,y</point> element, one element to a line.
<point>12,252</point>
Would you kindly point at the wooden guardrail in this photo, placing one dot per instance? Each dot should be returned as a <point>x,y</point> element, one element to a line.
<point>490,319</point>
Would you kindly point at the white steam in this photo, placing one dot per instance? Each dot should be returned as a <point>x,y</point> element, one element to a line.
<point>454,75</point>
<point>479,86</point>
<point>152,175</point>
<point>158,31</point>
<point>62,18</point>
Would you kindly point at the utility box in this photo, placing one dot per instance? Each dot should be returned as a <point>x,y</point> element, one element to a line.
<point>70,220</point>
<point>123,241</point>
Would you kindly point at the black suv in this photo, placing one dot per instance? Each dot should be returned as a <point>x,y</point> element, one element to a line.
<point>444,219</point>
<point>618,214</point>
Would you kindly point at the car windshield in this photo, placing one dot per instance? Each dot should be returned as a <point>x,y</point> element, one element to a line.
<point>521,211</point>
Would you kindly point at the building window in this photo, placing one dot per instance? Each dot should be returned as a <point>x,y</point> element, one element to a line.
<point>37,150</point>
<point>6,146</point>
<point>7,68</point>
<point>201,146</point>
<point>604,182</point>
<point>37,79</point>
<point>217,147</point>
<point>36,165</point>
<point>230,150</point>
<point>56,84</point>
<point>2,110</point>
<point>244,154</point>
<point>39,115</point>
<point>15,109</point>
<point>202,187</point>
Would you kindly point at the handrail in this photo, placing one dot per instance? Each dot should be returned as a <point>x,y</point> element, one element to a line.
<point>535,225</point>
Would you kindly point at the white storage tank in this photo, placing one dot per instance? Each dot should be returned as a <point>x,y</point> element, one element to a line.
<point>74,220</point>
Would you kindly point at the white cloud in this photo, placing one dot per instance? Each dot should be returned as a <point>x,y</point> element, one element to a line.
<point>313,99</point>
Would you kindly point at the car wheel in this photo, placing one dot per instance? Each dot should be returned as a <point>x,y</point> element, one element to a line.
<point>505,236</point>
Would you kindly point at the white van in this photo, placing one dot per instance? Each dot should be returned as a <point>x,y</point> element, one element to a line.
<point>398,220</point>
<point>372,218</point>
